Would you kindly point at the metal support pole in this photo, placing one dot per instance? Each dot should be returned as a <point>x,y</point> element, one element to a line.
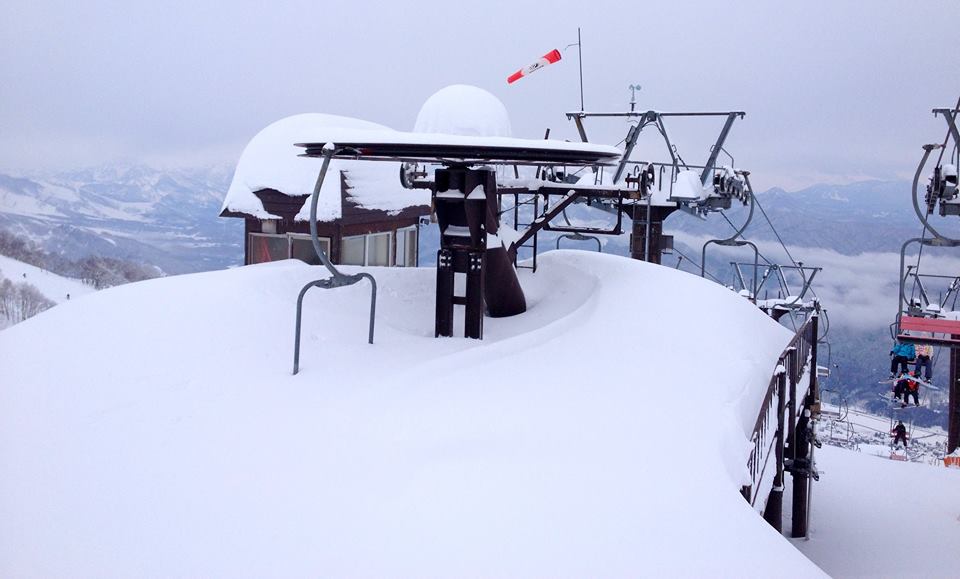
<point>803,449</point>
<point>337,278</point>
<point>646,237</point>
<point>580,61</point>
<point>814,397</point>
<point>774,510</point>
<point>800,481</point>
<point>953,417</point>
<point>632,135</point>
<point>715,152</point>
<point>950,116</point>
<point>902,296</point>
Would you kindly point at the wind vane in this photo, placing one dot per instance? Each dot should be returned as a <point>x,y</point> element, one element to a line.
<point>545,60</point>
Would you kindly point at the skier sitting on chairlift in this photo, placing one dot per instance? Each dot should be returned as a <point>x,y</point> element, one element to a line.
<point>900,434</point>
<point>913,389</point>
<point>924,354</point>
<point>905,386</point>
<point>902,354</point>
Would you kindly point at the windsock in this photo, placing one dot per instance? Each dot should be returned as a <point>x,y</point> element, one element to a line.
<point>548,58</point>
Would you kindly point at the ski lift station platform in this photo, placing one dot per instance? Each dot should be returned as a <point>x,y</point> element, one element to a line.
<point>572,414</point>
<point>175,439</point>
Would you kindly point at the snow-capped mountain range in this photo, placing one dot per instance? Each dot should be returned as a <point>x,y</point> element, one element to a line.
<point>166,218</point>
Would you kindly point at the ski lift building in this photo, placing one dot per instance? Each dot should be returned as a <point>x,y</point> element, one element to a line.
<point>365,216</point>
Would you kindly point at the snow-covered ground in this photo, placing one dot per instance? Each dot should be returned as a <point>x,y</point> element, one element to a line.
<point>875,517</point>
<point>55,287</point>
<point>154,429</point>
<point>861,431</point>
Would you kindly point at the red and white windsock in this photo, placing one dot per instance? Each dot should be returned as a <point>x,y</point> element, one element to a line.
<point>548,58</point>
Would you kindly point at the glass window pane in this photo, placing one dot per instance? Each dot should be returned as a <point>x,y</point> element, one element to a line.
<point>378,249</point>
<point>400,258</point>
<point>410,255</point>
<point>352,250</point>
<point>302,249</point>
<point>265,248</point>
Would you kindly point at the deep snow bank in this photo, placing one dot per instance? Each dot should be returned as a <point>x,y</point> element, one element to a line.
<point>155,429</point>
<point>875,517</point>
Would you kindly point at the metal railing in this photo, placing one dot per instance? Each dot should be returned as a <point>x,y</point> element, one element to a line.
<point>770,430</point>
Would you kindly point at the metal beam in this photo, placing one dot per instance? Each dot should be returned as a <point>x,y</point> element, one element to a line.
<point>541,221</point>
<point>717,147</point>
<point>632,136</point>
<point>953,416</point>
<point>585,114</point>
<point>950,115</point>
<point>580,129</point>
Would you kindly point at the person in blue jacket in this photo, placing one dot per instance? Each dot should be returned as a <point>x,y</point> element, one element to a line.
<point>902,354</point>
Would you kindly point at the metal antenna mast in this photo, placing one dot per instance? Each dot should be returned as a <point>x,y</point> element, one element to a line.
<point>580,62</point>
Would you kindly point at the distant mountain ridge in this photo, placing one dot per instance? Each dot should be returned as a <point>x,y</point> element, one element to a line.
<point>860,217</point>
<point>167,218</point>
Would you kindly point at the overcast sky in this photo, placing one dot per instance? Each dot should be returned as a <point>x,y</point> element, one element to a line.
<point>834,91</point>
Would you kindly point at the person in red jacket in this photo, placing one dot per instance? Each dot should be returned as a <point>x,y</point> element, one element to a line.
<point>912,389</point>
<point>905,386</point>
<point>900,434</point>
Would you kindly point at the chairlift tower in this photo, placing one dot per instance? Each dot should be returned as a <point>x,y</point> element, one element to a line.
<point>468,196</point>
<point>672,182</point>
<point>466,200</point>
<point>919,317</point>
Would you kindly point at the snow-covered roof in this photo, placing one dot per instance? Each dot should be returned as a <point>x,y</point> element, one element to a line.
<point>462,109</point>
<point>271,161</point>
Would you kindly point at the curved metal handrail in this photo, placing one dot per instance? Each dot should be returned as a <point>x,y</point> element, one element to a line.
<point>337,278</point>
<point>580,237</point>
<point>916,204</point>
<point>938,238</point>
<point>732,241</point>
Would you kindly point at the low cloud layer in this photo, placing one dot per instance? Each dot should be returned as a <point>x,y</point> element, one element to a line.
<point>859,291</point>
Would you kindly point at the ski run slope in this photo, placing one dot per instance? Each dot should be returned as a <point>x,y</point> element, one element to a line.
<point>154,429</point>
<point>56,288</point>
<point>875,517</point>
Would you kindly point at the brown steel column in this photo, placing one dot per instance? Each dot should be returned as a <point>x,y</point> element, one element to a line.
<point>638,250</point>
<point>773,513</point>
<point>953,417</point>
<point>803,434</point>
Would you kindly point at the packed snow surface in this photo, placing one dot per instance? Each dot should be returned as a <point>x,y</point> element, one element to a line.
<point>875,517</point>
<point>462,109</point>
<point>154,429</point>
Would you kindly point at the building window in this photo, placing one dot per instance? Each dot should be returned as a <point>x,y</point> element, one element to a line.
<point>407,247</point>
<point>353,250</point>
<point>301,247</point>
<point>371,249</point>
<point>378,249</point>
<point>266,247</point>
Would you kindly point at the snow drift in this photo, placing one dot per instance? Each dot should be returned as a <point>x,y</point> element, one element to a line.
<point>154,429</point>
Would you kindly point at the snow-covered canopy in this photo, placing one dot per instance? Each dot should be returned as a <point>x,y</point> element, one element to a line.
<point>271,161</point>
<point>462,109</point>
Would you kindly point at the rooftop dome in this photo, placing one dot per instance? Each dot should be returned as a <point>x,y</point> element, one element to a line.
<point>462,109</point>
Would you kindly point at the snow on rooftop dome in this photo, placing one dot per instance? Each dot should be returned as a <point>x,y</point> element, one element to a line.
<point>462,109</point>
